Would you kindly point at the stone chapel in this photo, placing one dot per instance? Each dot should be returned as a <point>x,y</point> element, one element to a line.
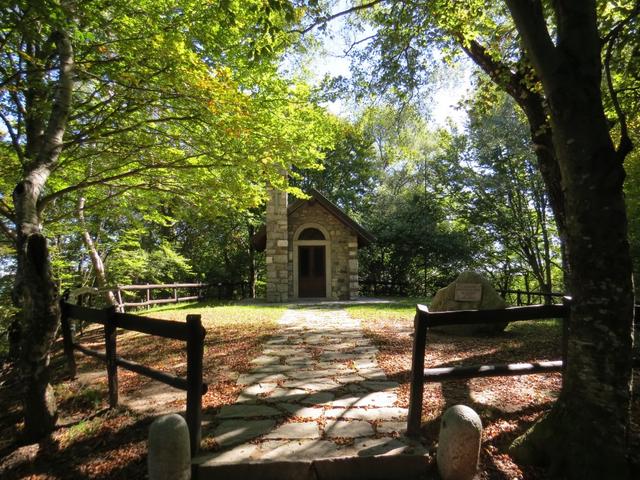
<point>311,249</point>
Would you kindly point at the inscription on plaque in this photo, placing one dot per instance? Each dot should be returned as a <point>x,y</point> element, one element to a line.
<point>468,292</point>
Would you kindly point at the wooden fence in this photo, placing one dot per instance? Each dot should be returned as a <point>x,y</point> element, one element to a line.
<point>425,319</point>
<point>167,293</point>
<point>191,332</point>
<point>523,297</point>
<point>147,299</point>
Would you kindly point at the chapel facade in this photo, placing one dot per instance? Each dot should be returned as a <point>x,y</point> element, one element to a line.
<point>311,249</point>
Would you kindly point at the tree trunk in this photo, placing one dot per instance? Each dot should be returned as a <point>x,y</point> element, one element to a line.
<point>96,261</point>
<point>585,434</point>
<point>596,391</point>
<point>252,263</point>
<point>37,296</point>
<point>35,290</point>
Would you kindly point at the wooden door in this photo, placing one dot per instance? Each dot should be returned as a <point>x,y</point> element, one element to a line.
<point>312,280</point>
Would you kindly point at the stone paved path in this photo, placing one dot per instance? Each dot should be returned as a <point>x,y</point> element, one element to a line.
<point>315,392</point>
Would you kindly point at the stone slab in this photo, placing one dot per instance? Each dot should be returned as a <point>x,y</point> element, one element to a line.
<point>311,386</point>
<point>370,414</point>
<point>258,389</point>
<point>234,432</point>
<point>380,446</point>
<point>379,385</point>
<point>266,360</point>
<point>348,429</point>
<point>300,411</point>
<point>318,398</point>
<point>377,399</point>
<point>242,410</point>
<point>391,427</point>
<point>260,377</point>
<point>285,395</point>
<point>300,450</point>
<point>237,454</point>
<point>295,431</point>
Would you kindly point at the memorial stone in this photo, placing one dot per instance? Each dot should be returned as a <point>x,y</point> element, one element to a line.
<point>470,291</point>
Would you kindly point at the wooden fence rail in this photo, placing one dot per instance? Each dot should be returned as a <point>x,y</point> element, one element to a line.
<point>525,297</point>
<point>169,293</point>
<point>191,332</point>
<point>425,319</point>
<point>148,301</point>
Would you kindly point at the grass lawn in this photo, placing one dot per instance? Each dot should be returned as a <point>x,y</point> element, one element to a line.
<point>401,309</point>
<point>94,442</point>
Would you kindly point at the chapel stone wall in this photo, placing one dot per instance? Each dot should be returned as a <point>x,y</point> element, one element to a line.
<point>277,248</point>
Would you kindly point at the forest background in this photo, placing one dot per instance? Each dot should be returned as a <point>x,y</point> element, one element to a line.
<point>165,165</point>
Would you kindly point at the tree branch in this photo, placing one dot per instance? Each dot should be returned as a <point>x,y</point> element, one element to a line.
<point>532,104</point>
<point>176,164</point>
<point>528,16</point>
<point>15,141</point>
<point>56,126</point>
<point>625,145</point>
<point>325,20</point>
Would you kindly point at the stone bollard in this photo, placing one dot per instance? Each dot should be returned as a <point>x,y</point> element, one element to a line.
<point>169,451</point>
<point>459,443</point>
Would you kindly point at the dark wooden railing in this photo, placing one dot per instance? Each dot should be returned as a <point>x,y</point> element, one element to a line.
<point>147,300</point>
<point>524,297</point>
<point>191,332</point>
<point>425,319</point>
<point>136,296</point>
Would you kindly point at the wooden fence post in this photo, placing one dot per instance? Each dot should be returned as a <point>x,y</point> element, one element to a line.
<point>414,416</point>
<point>67,337</point>
<point>566,301</point>
<point>110,351</point>
<point>195,351</point>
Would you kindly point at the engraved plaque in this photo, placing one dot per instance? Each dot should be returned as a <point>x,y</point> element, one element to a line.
<point>468,292</point>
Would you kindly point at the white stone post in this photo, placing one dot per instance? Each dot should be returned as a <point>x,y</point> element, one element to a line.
<point>459,443</point>
<point>169,451</point>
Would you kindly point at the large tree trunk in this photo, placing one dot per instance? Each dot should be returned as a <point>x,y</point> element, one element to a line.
<point>36,293</point>
<point>585,435</point>
<point>35,290</point>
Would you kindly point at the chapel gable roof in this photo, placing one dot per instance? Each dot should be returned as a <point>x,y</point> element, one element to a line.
<point>259,240</point>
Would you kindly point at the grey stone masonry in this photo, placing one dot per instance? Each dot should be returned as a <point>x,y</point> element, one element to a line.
<point>277,247</point>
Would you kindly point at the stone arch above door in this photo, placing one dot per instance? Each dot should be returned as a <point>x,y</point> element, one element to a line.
<point>309,244</point>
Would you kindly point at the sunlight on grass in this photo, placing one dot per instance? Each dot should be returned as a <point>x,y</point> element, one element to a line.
<point>220,315</point>
<point>83,429</point>
<point>397,310</point>
<point>548,328</point>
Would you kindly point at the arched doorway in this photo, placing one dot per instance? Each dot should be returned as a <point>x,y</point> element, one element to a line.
<point>311,262</point>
